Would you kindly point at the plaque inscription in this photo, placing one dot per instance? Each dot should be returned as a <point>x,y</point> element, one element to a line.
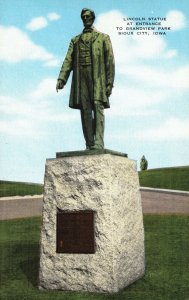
<point>75,232</point>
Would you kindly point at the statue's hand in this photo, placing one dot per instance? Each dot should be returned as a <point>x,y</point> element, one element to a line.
<point>108,91</point>
<point>60,84</point>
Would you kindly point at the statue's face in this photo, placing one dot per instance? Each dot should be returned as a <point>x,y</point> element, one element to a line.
<point>87,19</point>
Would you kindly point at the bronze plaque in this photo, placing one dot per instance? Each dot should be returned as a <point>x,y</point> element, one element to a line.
<point>75,232</point>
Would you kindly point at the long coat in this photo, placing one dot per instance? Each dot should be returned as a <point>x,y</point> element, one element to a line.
<point>102,66</point>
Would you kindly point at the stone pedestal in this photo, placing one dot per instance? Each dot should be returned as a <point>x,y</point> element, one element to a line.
<point>99,193</point>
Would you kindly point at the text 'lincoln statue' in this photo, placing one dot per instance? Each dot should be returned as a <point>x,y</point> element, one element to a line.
<point>90,57</point>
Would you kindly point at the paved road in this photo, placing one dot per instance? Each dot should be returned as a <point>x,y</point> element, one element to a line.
<point>20,207</point>
<point>158,201</point>
<point>153,201</point>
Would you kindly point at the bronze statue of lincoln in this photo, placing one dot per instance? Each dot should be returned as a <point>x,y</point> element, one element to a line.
<point>90,57</point>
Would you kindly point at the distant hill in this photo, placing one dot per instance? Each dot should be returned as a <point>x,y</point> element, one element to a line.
<point>12,188</point>
<point>175,178</point>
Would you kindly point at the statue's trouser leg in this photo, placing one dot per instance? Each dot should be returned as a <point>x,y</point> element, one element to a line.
<point>86,90</point>
<point>99,124</point>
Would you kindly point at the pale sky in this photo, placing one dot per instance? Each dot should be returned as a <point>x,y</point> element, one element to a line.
<point>149,104</point>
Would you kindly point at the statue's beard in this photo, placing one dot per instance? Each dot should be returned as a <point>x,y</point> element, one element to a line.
<point>88,24</point>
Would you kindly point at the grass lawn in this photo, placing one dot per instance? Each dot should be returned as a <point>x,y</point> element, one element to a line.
<point>166,178</point>
<point>167,261</point>
<point>12,188</point>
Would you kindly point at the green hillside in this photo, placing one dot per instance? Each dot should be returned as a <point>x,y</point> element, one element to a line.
<point>176,178</point>
<point>12,188</point>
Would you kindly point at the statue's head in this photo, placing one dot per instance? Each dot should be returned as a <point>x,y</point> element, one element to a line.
<point>88,17</point>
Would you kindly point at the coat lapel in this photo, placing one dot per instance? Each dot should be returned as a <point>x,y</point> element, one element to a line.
<point>95,35</point>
